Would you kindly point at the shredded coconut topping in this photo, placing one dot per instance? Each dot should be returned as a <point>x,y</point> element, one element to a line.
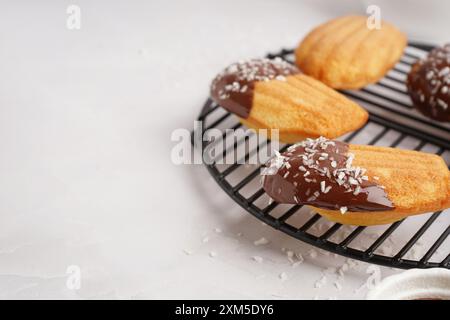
<point>350,177</point>
<point>321,172</point>
<point>437,77</point>
<point>249,71</point>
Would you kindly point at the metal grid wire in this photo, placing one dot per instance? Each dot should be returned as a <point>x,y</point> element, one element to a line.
<point>415,242</point>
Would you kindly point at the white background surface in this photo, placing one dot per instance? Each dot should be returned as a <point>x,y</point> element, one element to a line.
<point>85,171</point>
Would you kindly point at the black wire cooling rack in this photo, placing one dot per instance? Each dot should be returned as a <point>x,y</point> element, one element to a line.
<point>415,242</point>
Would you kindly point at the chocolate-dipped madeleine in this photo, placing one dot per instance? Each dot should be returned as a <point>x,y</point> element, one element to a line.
<point>360,185</point>
<point>429,84</point>
<point>273,94</point>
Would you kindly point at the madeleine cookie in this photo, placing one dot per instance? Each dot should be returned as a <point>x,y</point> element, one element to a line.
<point>345,54</point>
<point>358,185</point>
<point>429,84</point>
<point>273,94</point>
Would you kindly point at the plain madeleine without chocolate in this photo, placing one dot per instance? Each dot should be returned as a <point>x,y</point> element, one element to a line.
<point>345,54</point>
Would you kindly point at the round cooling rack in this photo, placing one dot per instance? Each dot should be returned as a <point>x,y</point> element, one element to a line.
<point>415,242</point>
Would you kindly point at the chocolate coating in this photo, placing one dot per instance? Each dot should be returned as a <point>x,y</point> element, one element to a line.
<point>429,84</point>
<point>319,173</point>
<point>233,88</point>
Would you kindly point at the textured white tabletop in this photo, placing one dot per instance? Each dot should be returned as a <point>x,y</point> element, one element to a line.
<point>86,177</point>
